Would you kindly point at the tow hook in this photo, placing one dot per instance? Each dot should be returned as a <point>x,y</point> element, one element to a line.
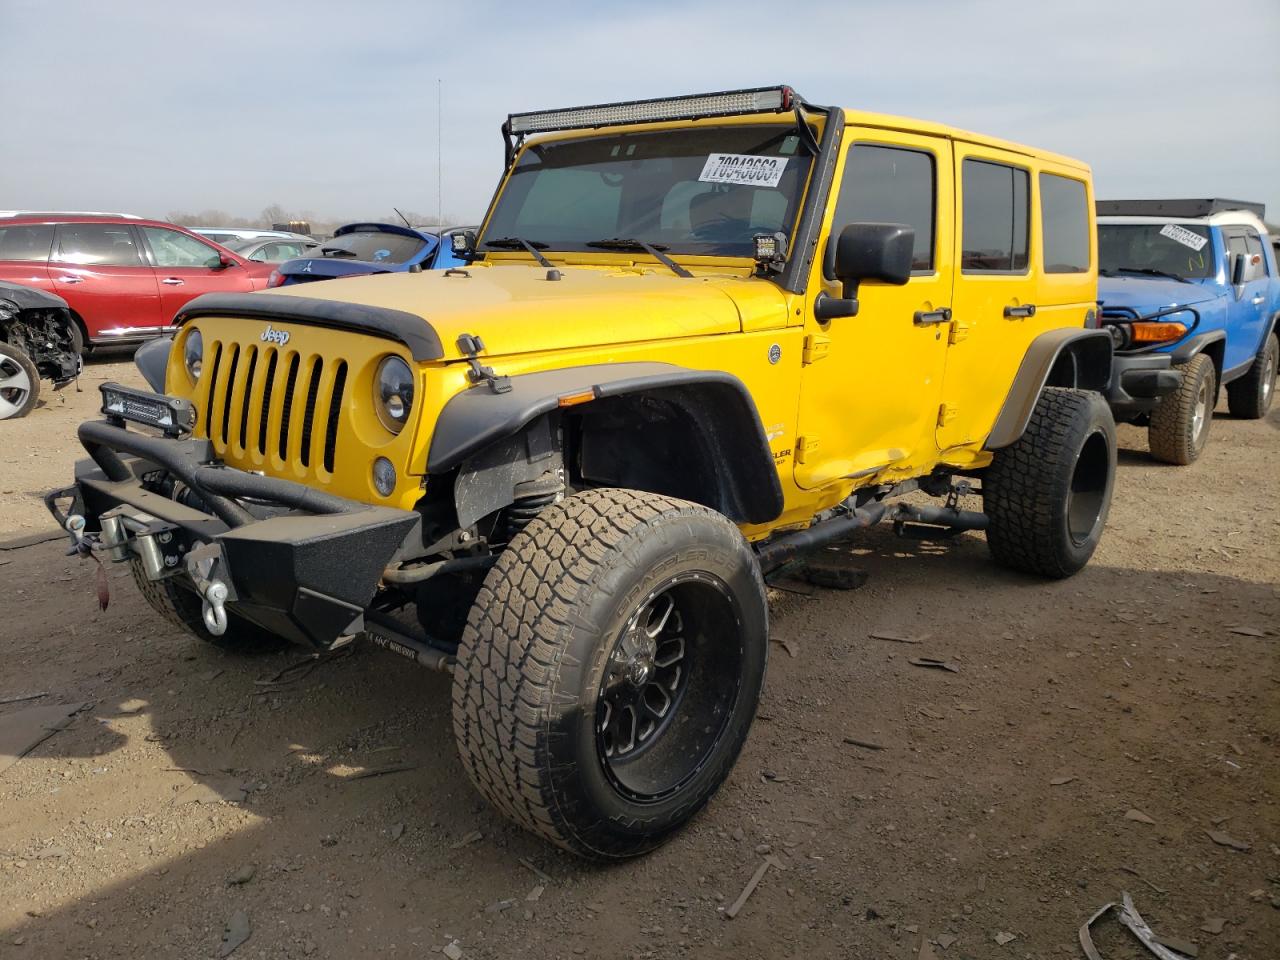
<point>215,611</point>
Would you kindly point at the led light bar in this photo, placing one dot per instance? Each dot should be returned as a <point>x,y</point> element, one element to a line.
<point>172,415</point>
<point>726,103</point>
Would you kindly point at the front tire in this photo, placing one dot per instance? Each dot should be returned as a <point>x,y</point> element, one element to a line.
<point>1180,423</point>
<point>1047,495</point>
<point>1249,398</point>
<point>184,609</point>
<point>19,383</point>
<point>610,670</point>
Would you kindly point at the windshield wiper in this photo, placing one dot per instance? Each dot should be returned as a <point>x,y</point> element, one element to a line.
<point>515,243</point>
<point>653,251</point>
<point>1147,271</point>
<point>337,252</point>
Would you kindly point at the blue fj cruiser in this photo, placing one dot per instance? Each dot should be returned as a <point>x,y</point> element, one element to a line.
<point>1189,287</point>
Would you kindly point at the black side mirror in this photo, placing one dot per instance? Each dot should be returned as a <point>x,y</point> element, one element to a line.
<point>1239,264</point>
<point>865,251</point>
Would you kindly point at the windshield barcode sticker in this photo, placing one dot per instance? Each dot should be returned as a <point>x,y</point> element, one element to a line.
<point>744,169</point>
<point>1183,236</point>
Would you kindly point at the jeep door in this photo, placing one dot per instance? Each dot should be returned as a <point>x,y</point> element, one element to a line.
<point>98,269</point>
<point>994,310</point>
<point>870,383</point>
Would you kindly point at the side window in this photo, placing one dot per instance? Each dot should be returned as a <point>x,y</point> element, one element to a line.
<point>995,208</point>
<point>1236,247</point>
<point>1064,212</point>
<point>173,249</point>
<point>96,244</point>
<point>1253,245</point>
<point>890,185</point>
<point>28,243</point>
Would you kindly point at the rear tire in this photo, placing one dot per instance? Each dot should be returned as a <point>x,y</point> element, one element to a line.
<point>184,609</point>
<point>1180,423</point>
<point>1249,398</point>
<point>1047,495</point>
<point>610,670</point>
<point>19,383</point>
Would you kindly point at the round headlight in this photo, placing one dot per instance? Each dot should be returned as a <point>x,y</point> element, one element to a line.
<point>393,393</point>
<point>193,354</point>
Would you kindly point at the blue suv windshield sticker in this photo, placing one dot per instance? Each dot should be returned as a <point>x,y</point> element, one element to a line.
<point>1183,236</point>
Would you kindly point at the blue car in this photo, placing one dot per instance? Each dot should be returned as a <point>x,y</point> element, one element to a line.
<point>1190,292</point>
<point>361,249</point>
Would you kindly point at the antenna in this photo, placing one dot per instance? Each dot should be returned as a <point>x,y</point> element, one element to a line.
<point>439,153</point>
<point>403,217</point>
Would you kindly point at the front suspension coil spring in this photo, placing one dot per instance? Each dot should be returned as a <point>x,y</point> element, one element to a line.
<point>523,510</point>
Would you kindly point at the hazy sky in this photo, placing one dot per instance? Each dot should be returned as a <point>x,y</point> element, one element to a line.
<point>331,106</point>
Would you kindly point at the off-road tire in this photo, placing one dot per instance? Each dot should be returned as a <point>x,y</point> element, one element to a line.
<point>10,354</point>
<point>1249,397</point>
<point>1047,495</point>
<point>183,608</point>
<point>529,681</point>
<point>1175,435</point>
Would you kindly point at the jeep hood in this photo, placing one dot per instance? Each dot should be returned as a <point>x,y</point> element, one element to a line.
<point>1148,294</point>
<point>516,309</point>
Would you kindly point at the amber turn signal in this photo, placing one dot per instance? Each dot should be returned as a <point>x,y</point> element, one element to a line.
<point>582,396</point>
<point>1157,332</point>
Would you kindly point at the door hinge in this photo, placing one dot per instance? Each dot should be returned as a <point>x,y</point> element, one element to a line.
<point>815,348</point>
<point>946,413</point>
<point>959,331</point>
<point>804,447</point>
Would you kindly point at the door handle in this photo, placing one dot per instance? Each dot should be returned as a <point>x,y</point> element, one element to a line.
<point>172,281</point>
<point>71,279</point>
<point>1258,299</point>
<point>1026,310</point>
<point>925,317</point>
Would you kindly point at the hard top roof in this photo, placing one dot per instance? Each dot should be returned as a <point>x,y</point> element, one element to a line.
<point>1188,208</point>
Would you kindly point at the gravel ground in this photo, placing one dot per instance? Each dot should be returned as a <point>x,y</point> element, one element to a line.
<point>1094,735</point>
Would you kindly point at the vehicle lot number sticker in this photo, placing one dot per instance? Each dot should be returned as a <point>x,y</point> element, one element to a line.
<point>743,168</point>
<point>1183,236</point>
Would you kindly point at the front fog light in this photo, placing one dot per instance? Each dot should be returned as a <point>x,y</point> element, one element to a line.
<point>384,476</point>
<point>193,354</point>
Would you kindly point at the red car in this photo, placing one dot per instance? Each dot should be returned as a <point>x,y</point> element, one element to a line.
<point>123,277</point>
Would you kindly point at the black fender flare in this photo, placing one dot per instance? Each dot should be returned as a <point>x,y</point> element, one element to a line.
<point>1073,356</point>
<point>1196,345</point>
<point>718,403</point>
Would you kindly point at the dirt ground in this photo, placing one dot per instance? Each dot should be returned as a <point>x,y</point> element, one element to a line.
<point>1096,731</point>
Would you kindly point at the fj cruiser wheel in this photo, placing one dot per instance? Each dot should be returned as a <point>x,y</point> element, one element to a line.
<point>1047,495</point>
<point>183,608</point>
<point>1250,397</point>
<point>19,383</point>
<point>1180,422</point>
<point>610,670</point>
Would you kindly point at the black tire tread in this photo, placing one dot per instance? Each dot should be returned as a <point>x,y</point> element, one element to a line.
<point>1020,489</point>
<point>1244,396</point>
<point>183,609</point>
<point>1169,433</point>
<point>508,657</point>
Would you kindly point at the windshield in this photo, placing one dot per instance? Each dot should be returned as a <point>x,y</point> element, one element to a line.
<point>704,190</point>
<point>1180,249</point>
<point>375,246</point>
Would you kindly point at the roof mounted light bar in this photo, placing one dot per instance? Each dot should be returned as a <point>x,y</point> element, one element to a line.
<point>726,103</point>
<point>693,107</point>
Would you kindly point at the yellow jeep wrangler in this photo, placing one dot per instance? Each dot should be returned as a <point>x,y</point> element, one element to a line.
<point>693,337</point>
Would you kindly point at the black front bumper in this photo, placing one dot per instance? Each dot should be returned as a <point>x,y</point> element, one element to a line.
<point>298,562</point>
<point>1138,381</point>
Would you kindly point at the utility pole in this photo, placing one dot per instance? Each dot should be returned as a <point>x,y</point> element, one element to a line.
<point>439,152</point>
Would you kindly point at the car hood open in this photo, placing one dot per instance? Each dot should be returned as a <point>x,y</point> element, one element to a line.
<point>517,309</point>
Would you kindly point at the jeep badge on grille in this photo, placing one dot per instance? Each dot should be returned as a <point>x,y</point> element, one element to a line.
<point>271,335</point>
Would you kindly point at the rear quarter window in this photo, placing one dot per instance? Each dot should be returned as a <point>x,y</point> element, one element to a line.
<point>1064,213</point>
<point>26,242</point>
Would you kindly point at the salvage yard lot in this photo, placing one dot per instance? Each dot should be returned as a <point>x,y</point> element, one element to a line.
<point>1095,733</point>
